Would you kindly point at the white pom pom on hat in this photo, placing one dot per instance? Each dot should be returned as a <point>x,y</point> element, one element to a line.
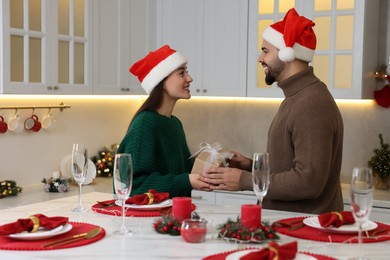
<point>293,36</point>
<point>157,65</point>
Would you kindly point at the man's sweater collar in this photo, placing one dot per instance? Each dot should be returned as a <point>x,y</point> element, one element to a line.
<point>297,82</point>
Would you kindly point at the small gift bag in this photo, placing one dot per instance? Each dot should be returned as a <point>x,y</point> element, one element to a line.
<point>210,156</point>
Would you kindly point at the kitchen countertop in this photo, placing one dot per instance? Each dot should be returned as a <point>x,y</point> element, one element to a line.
<point>34,193</point>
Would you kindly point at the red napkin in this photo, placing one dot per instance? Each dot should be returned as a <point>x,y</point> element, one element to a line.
<point>147,198</point>
<point>336,219</point>
<point>274,251</point>
<point>27,224</point>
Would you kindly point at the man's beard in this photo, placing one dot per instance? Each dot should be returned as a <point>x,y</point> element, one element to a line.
<point>269,79</point>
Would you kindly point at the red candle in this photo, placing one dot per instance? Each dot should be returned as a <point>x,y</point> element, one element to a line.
<point>251,215</point>
<point>181,208</point>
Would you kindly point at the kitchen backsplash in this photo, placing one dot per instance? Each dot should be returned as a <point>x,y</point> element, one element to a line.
<point>238,124</point>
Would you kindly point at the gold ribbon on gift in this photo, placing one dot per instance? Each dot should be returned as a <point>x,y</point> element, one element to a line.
<point>35,222</point>
<point>338,214</point>
<point>150,196</point>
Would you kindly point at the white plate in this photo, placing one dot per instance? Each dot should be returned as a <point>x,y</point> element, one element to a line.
<point>237,255</point>
<point>163,204</point>
<point>42,233</point>
<point>66,169</point>
<point>344,229</point>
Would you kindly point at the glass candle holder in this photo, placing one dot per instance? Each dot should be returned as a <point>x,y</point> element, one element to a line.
<point>193,230</point>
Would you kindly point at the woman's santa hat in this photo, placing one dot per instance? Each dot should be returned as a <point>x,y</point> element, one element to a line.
<point>294,37</point>
<point>156,66</point>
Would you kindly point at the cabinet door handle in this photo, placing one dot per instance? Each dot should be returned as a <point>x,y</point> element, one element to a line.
<point>55,87</point>
<point>205,91</point>
<point>198,90</point>
<point>49,87</point>
<point>197,197</point>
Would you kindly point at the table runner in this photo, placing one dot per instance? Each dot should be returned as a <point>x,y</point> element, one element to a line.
<point>310,233</point>
<point>222,256</point>
<point>117,210</point>
<point>7,243</point>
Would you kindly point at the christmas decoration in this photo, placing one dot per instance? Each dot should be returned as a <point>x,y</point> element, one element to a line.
<point>104,162</point>
<point>9,188</point>
<point>167,224</point>
<point>234,231</point>
<point>382,97</point>
<point>380,164</point>
<point>56,184</point>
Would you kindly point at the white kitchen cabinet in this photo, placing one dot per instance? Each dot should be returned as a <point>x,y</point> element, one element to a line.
<point>224,197</point>
<point>124,32</point>
<point>46,47</point>
<point>213,37</point>
<point>347,42</point>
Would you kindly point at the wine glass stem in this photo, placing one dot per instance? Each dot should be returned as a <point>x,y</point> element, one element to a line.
<point>260,201</point>
<point>360,241</point>
<point>123,215</point>
<point>79,200</point>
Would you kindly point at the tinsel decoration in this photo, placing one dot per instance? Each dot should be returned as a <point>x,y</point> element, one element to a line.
<point>380,162</point>
<point>104,162</point>
<point>9,188</point>
<point>56,185</point>
<point>234,231</point>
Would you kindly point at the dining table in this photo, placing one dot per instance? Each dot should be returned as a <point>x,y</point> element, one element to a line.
<point>146,243</point>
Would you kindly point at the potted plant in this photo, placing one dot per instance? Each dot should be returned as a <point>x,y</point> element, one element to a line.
<point>380,165</point>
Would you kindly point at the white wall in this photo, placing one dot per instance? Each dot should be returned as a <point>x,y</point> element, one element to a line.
<point>98,121</point>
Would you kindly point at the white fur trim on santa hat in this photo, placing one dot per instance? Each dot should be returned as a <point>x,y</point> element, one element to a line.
<point>287,54</point>
<point>162,70</point>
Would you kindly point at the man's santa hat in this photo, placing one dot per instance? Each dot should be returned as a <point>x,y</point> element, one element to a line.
<point>156,66</point>
<point>294,37</point>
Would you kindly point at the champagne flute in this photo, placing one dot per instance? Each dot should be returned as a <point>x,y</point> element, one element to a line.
<point>260,175</point>
<point>123,181</point>
<point>361,199</point>
<point>79,169</point>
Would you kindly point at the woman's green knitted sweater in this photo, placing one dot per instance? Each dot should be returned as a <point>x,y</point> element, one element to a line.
<point>160,154</point>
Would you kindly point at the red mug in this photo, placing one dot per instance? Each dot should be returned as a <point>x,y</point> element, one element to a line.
<point>3,125</point>
<point>32,123</point>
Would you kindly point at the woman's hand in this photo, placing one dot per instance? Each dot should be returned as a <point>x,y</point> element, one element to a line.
<point>198,183</point>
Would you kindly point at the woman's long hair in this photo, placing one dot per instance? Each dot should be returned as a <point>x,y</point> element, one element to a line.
<point>153,102</point>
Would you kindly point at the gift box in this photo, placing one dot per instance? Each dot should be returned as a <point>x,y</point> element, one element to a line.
<point>210,156</point>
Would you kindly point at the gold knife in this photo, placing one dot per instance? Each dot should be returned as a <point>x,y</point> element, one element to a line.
<point>63,241</point>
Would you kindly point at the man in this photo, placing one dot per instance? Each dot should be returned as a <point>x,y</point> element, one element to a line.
<point>305,139</point>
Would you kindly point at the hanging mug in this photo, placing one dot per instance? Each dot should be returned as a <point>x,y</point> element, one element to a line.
<point>32,123</point>
<point>14,123</point>
<point>3,125</point>
<point>48,122</point>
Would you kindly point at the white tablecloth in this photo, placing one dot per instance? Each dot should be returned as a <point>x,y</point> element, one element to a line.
<point>145,243</point>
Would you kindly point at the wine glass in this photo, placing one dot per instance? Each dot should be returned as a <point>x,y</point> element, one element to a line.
<point>361,199</point>
<point>123,181</point>
<point>79,169</point>
<point>260,175</point>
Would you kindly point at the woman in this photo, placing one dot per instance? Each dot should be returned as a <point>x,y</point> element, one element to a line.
<point>155,137</point>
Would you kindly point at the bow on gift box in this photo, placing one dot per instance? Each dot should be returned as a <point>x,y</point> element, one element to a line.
<point>32,224</point>
<point>216,154</point>
<point>274,251</point>
<point>336,219</point>
<point>148,198</point>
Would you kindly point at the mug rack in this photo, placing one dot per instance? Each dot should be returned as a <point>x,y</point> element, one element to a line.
<point>61,107</point>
